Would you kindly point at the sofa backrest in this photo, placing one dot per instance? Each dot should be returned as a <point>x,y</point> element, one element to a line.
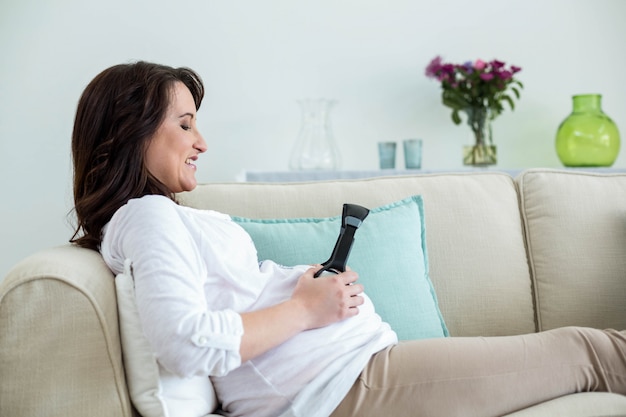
<point>474,236</point>
<point>575,226</point>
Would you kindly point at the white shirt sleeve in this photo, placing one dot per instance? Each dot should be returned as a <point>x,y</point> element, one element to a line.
<point>169,271</point>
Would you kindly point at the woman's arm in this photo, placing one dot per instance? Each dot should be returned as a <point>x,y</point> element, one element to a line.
<point>316,302</point>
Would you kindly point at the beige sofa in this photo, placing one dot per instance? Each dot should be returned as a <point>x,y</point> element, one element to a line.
<point>507,256</point>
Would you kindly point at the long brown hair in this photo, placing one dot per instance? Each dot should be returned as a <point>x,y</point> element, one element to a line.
<point>117,115</point>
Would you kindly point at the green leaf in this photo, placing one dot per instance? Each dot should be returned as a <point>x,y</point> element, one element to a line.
<point>453,100</point>
<point>510,101</point>
<point>516,92</point>
<point>450,103</point>
<point>455,117</point>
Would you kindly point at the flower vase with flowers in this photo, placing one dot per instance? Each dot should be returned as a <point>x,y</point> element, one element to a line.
<point>478,89</point>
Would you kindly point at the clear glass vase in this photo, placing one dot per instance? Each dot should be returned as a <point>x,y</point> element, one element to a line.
<point>315,147</point>
<point>483,151</point>
<point>587,137</point>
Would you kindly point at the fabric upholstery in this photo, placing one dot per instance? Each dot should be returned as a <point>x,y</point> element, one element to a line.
<point>576,234</point>
<point>60,353</point>
<point>595,404</point>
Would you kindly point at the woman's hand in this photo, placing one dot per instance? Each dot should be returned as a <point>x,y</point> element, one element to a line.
<point>329,298</point>
<point>315,302</point>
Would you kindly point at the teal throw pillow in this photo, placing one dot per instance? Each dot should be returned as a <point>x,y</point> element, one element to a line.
<point>389,254</point>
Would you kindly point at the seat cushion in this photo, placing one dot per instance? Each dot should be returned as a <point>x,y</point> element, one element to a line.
<point>588,404</point>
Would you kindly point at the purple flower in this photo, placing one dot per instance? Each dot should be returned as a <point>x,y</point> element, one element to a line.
<point>434,67</point>
<point>448,68</point>
<point>515,69</point>
<point>486,76</point>
<point>468,67</point>
<point>505,75</point>
<point>497,64</point>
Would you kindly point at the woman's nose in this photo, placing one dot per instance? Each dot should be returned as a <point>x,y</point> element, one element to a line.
<point>201,145</point>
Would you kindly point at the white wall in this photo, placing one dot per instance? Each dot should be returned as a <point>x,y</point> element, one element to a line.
<point>258,57</point>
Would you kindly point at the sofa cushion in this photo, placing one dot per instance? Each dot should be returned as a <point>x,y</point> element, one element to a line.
<point>389,253</point>
<point>583,404</point>
<point>154,391</point>
<point>576,236</point>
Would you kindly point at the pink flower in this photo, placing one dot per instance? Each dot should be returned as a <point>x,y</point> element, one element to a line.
<point>486,76</point>
<point>480,64</point>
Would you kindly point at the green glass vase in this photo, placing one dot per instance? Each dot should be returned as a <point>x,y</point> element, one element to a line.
<point>587,137</point>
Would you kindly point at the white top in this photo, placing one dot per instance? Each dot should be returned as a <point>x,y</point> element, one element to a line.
<point>194,271</point>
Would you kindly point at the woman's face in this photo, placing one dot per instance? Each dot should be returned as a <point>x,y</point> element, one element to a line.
<point>176,144</point>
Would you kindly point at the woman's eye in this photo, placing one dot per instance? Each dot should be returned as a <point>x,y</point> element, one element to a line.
<point>185,127</point>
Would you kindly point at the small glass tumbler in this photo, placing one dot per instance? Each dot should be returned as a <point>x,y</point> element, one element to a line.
<point>387,155</point>
<point>412,153</point>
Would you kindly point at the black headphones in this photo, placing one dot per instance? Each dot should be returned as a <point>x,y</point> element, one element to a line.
<point>352,218</point>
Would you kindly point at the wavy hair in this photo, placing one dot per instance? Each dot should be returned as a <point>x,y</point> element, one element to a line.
<point>117,115</point>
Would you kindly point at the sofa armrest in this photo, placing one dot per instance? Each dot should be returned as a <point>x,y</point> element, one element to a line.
<point>60,352</point>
